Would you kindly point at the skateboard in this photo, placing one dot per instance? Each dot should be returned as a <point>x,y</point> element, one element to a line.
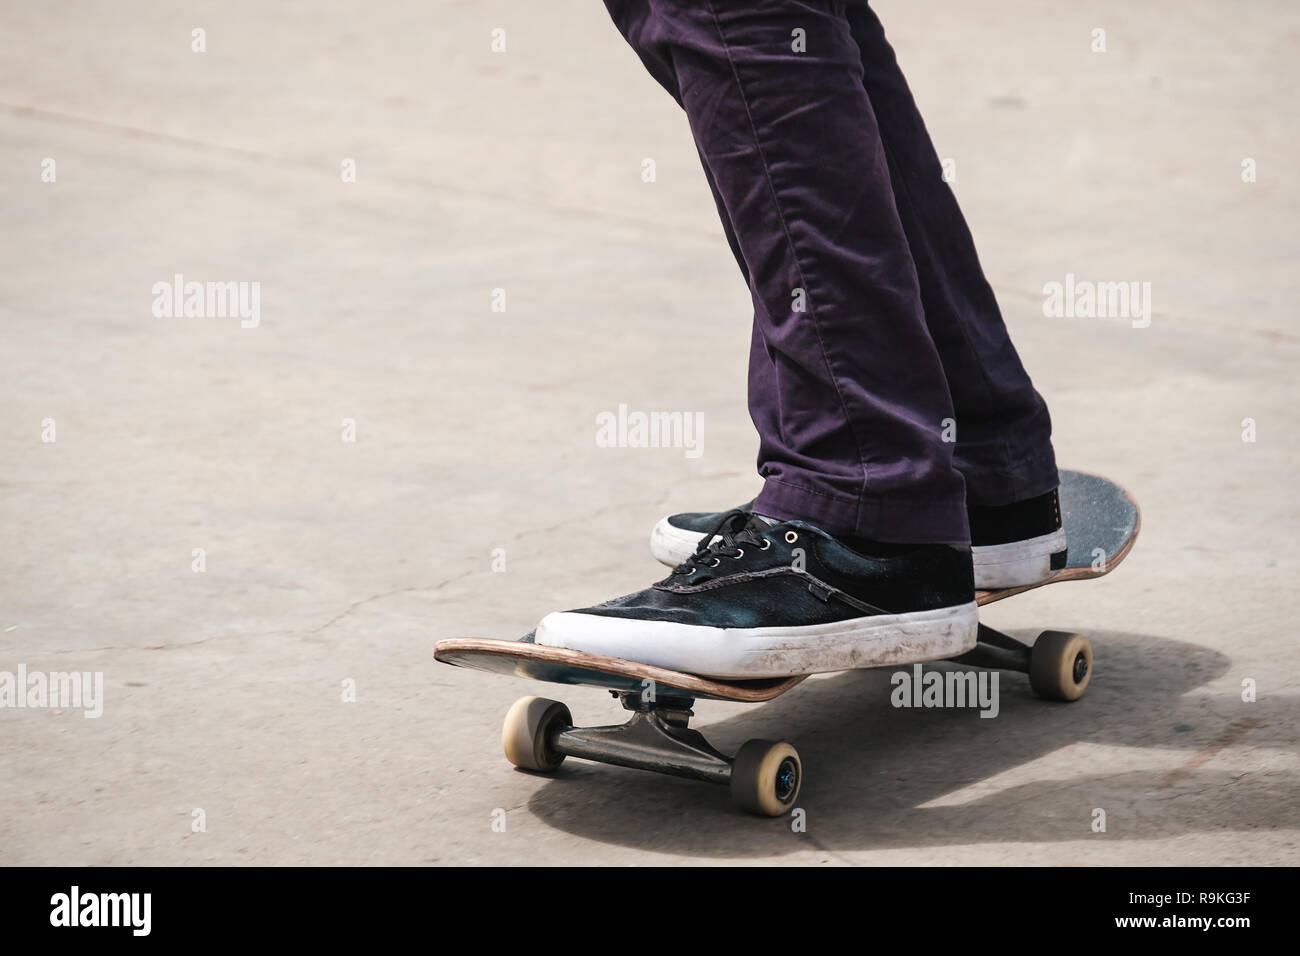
<point>1101,523</point>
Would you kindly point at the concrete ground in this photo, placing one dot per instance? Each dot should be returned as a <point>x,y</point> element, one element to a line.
<point>332,564</point>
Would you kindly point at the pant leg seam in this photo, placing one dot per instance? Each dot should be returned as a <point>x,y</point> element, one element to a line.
<point>785,228</point>
<point>985,380</point>
<point>811,491</point>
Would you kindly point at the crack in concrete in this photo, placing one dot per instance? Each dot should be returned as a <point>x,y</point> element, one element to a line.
<point>1228,736</point>
<point>587,516</point>
<point>387,594</point>
<point>698,234</point>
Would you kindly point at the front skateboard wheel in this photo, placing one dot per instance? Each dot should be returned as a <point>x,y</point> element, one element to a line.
<point>526,734</point>
<point>1060,665</point>
<point>765,777</point>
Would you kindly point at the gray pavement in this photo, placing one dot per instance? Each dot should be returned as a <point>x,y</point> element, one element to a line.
<point>331,564</point>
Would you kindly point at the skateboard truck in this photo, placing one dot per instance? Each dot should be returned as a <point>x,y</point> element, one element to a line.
<point>1059,664</point>
<point>655,737</point>
<point>764,777</point>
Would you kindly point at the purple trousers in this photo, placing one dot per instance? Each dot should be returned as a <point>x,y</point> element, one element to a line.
<point>882,382</point>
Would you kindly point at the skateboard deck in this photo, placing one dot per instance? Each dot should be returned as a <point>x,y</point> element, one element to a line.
<point>1101,522</point>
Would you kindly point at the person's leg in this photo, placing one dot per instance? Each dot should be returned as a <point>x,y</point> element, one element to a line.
<point>851,412</point>
<point>635,21</point>
<point>1003,446</point>
<point>849,559</point>
<point>1003,430</point>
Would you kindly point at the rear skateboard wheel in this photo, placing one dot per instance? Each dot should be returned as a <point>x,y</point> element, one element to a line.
<point>526,734</point>
<point>1060,665</point>
<point>766,777</point>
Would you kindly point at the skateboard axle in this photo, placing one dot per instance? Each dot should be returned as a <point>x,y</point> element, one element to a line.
<point>654,738</point>
<point>997,651</point>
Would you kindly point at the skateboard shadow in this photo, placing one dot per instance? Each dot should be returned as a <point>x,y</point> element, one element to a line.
<point>879,777</point>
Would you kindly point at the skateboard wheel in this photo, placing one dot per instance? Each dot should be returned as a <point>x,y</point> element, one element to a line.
<point>765,777</point>
<point>527,732</point>
<point>1060,665</point>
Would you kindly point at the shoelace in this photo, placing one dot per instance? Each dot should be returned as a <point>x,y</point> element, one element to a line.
<point>735,528</point>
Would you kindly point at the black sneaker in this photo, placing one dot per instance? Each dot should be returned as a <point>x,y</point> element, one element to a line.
<point>1017,544</point>
<point>771,600</point>
<point>1011,546</point>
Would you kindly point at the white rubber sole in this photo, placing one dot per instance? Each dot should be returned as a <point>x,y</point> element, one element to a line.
<point>748,653</point>
<point>671,545</point>
<point>1018,563</point>
<point>996,566</point>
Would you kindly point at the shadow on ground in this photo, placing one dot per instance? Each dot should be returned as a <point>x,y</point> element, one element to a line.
<point>878,777</point>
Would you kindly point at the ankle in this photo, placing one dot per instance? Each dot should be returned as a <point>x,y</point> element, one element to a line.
<point>1032,517</point>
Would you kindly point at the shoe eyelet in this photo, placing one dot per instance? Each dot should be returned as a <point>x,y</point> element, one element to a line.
<point>791,537</point>
<point>766,544</point>
<point>740,553</point>
<point>716,562</point>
